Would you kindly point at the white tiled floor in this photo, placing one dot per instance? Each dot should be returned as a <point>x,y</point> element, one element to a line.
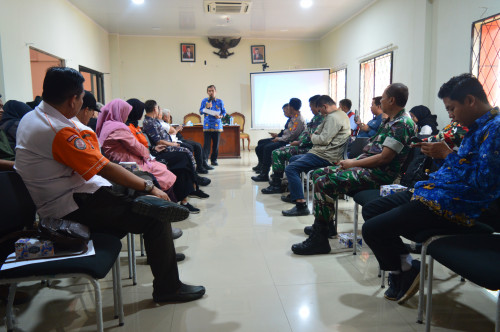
<point>238,247</point>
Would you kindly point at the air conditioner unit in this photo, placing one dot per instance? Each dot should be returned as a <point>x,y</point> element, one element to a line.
<point>227,7</point>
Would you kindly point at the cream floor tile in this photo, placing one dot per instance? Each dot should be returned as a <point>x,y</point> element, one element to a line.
<point>233,308</point>
<point>346,306</point>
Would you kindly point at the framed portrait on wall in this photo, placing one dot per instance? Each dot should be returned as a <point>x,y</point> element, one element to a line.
<point>258,53</point>
<point>188,52</point>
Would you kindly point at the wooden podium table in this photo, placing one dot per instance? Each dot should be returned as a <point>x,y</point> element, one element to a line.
<point>229,144</point>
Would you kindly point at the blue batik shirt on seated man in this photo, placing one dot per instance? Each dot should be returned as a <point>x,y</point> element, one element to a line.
<point>468,182</point>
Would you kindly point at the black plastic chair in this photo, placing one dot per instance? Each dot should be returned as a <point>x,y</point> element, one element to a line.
<point>18,212</point>
<point>474,257</point>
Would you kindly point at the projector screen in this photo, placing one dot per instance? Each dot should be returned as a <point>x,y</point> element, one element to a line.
<point>271,90</point>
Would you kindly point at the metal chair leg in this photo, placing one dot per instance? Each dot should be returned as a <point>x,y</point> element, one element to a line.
<point>497,324</point>
<point>420,312</point>
<point>118,294</point>
<point>98,303</point>
<point>134,266</point>
<point>9,310</point>
<point>429,295</point>
<point>142,245</point>
<point>129,249</point>
<point>115,290</point>
<point>355,236</point>
<point>383,279</point>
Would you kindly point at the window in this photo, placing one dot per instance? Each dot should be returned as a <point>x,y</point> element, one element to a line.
<point>485,56</point>
<point>338,81</point>
<point>94,82</point>
<point>41,61</point>
<point>375,76</point>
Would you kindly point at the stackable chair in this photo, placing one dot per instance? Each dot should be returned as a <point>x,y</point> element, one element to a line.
<point>474,257</point>
<point>240,120</point>
<point>19,212</point>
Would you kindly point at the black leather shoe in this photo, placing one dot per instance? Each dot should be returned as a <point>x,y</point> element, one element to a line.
<point>200,194</point>
<point>185,293</point>
<point>176,233</point>
<point>295,212</point>
<point>201,171</point>
<point>287,199</point>
<point>159,209</point>
<point>208,167</point>
<point>179,257</point>
<point>271,190</point>
<point>260,178</point>
<point>214,163</point>
<point>256,168</point>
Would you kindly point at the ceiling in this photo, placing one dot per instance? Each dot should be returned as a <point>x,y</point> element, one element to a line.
<point>283,19</point>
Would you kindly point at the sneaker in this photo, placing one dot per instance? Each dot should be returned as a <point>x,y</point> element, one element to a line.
<point>159,209</point>
<point>191,208</point>
<point>295,212</point>
<point>200,194</point>
<point>317,243</point>
<point>185,293</point>
<point>393,280</point>
<point>410,282</point>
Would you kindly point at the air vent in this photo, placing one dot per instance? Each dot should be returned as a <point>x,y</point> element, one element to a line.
<point>227,7</point>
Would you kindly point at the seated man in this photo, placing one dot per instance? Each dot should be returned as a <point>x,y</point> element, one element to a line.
<point>294,129</point>
<point>67,177</point>
<point>261,144</point>
<point>345,105</point>
<point>329,141</point>
<point>380,163</point>
<point>453,198</point>
<point>302,145</point>
<point>370,128</point>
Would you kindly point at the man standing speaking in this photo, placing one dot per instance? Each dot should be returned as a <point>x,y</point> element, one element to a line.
<point>213,111</point>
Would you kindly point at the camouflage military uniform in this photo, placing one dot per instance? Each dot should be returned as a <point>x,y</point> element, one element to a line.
<point>282,155</point>
<point>333,180</point>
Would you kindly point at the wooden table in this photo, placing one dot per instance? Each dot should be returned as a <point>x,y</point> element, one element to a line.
<point>229,144</point>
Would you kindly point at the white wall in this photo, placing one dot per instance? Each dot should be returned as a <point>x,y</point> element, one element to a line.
<point>150,68</point>
<point>55,27</point>
<point>431,41</point>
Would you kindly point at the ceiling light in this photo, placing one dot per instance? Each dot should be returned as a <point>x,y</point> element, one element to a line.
<point>138,2</point>
<point>306,3</point>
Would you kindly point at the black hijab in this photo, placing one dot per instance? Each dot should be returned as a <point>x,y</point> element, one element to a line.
<point>13,111</point>
<point>425,118</point>
<point>136,113</point>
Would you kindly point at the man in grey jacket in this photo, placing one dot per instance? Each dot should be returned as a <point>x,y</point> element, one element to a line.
<point>328,147</point>
<point>296,125</point>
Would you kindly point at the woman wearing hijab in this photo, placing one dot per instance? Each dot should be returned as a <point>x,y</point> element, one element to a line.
<point>426,122</point>
<point>120,143</point>
<point>13,112</point>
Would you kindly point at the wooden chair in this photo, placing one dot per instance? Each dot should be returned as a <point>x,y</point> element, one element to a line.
<point>240,119</point>
<point>193,117</point>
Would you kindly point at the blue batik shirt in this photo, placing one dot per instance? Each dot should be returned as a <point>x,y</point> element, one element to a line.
<point>469,180</point>
<point>210,122</point>
<point>373,124</point>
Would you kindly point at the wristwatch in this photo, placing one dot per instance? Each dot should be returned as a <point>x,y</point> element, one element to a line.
<point>149,185</point>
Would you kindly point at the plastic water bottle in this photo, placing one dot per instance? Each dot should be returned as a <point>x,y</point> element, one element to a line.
<point>231,121</point>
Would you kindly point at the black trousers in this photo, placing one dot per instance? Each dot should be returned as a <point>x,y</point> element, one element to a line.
<point>211,138</point>
<point>259,150</point>
<point>110,212</point>
<point>267,155</point>
<point>382,233</point>
<point>197,151</point>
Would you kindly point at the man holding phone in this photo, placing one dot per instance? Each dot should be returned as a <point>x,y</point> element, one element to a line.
<point>212,124</point>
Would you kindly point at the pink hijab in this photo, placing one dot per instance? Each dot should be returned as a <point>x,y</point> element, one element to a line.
<point>112,117</point>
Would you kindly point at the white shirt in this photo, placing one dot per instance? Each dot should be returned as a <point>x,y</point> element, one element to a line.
<point>57,157</point>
